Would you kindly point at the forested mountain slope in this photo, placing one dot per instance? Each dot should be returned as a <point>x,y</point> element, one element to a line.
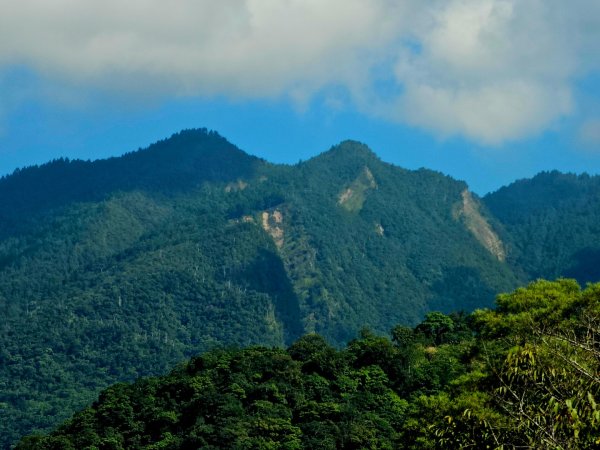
<point>119,268</point>
<point>552,225</point>
<point>520,376</point>
<point>178,164</point>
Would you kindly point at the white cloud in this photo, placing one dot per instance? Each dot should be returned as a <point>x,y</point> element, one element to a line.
<point>494,70</point>
<point>589,133</point>
<point>489,114</point>
<point>250,48</point>
<point>491,70</point>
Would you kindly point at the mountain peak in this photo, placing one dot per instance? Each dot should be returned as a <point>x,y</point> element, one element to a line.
<point>181,162</point>
<point>545,191</point>
<point>351,148</point>
<point>346,154</point>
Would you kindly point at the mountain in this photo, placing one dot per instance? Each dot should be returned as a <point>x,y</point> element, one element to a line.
<point>120,268</point>
<point>552,225</point>
<point>178,164</point>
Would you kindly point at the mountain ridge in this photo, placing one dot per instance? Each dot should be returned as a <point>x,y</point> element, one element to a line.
<point>201,245</point>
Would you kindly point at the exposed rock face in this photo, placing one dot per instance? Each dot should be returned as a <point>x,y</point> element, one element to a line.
<point>468,213</point>
<point>239,185</point>
<point>353,197</point>
<point>272,223</point>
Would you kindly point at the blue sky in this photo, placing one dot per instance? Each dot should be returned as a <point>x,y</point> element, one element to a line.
<point>487,91</point>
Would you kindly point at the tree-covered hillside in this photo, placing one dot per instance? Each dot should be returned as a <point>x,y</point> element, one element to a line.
<point>185,161</point>
<point>120,268</point>
<point>552,224</point>
<point>522,376</point>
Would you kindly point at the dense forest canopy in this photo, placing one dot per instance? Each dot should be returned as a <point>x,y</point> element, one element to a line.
<point>524,375</point>
<point>120,268</point>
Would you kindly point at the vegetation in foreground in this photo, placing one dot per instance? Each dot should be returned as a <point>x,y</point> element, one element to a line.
<point>524,375</point>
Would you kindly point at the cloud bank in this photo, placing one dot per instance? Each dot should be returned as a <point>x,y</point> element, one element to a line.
<point>490,70</point>
<point>589,133</point>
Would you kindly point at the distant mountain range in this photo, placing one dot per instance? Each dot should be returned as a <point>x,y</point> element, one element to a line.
<point>120,268</point>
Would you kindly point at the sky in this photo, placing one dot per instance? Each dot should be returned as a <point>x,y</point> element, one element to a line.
<point>487,91</point>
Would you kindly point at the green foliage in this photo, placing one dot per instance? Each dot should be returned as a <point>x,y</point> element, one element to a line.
<point>548,379</point>
<point>551,224</point>
<point>436,326</point>
<point>253,398</point>
<point>522,376</point>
